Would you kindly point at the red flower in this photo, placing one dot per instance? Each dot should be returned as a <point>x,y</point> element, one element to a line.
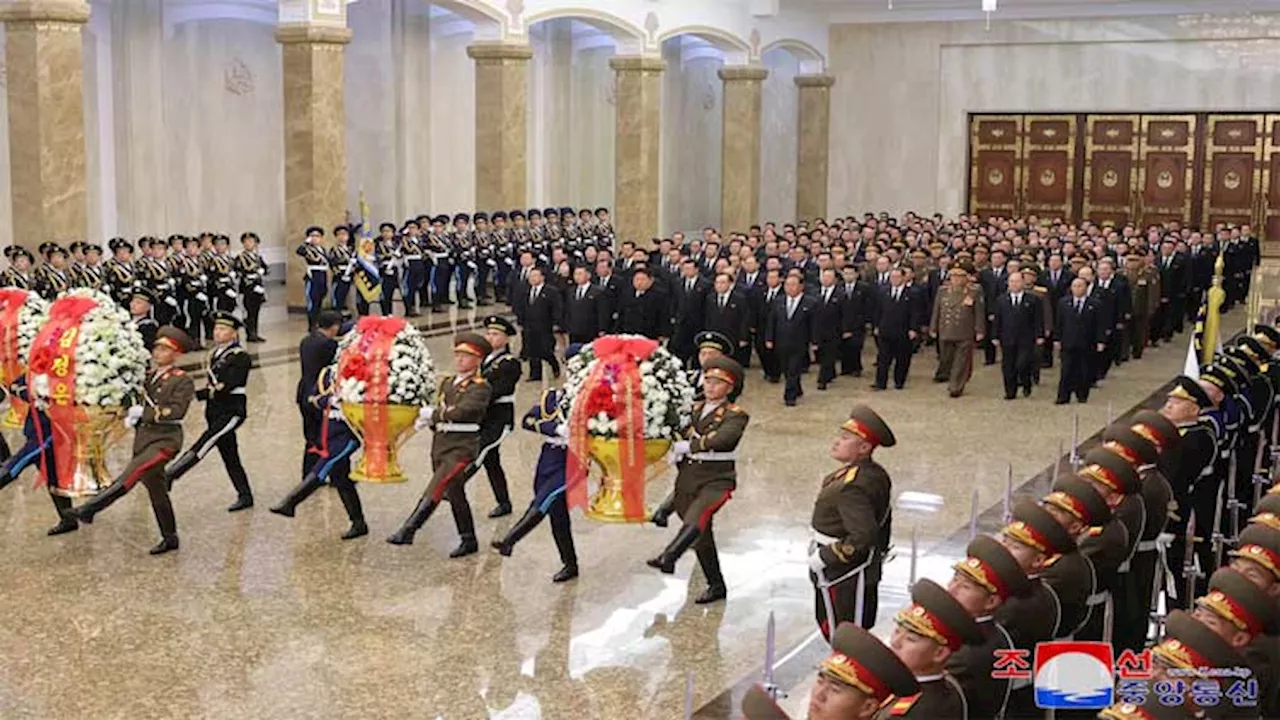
<point>41,360</point>
<point>354,365</point>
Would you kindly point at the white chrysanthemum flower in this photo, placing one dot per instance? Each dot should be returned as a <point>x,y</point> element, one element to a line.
<point>664,387</point>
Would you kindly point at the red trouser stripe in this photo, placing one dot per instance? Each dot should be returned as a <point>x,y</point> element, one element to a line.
<point>444,482</point>
<point>161,457</point>
<point>705,517</point>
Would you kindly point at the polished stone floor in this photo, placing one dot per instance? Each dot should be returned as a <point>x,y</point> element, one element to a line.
<point>259,616</point>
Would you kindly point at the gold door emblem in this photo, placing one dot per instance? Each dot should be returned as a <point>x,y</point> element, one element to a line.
<point>1047,177</point>
<point>997,132</point>
<point>1110,178</point>
<point>1049,132</point>
<point>1164,180</point>
<point>1113,132</point>
<point>1231,180</point>
<point>995,177</point>
<point>1167,132</point>
<point>1235,133</point>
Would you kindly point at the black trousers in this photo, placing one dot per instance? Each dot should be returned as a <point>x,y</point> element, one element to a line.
<point>252,308</point>
<point>1075,378</point>
<point>895,351</point>
<point>1133,602</point>
<point>312,422</point>
<point>768,359</point>
<point>390,284</point>
<point>539,351</point>
<point>844,601</point>
<point>221,433</point>
<point>794,363</point>
<point>851,354</point>
<point>988,347</point>
<point>490,458</point>
<point>1016,361</point>
<point>828,352</point>
<point>561,530</point>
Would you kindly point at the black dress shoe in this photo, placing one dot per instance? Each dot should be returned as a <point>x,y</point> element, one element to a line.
<point>357,530</point>
<point>1060,401</point>
<point>1010,396</point>
<point>663,564</point>
<point>714,593</point>
<point>468,546</point>
<point>567,573</point>
<point>65,525</point>
<point>954,393</point>
<point>789,403</point>
<point>822,386</point>
<point>284,509</point>
<point>878,387</point>
<point>1026,392</point>
<point>241,503</point>
<point>165,545</point>
<point>502,510</point>
<point>255,339</point>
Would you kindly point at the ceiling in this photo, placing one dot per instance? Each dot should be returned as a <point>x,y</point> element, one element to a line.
<point>941,10</point>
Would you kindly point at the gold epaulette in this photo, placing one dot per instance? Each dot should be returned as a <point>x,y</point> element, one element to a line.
<point>1095,531</point>
<point>850,474</point>
<point>1052,559</point>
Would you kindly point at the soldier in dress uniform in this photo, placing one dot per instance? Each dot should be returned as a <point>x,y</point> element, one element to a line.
<point>504,255</point>
<point>711,345</point>
<point>928,633</point>
<point>414,292</point>
<point>253,292</point>
<point>223,282</point>
<point>140,304</point>
<point>335,445</point>
<point>443,253</point>
<point>390,258</point>
<point>1241,614</point>
<point>482,242</point>
<point>1109,547</point>
<point>227,371</point>
<point>464,257</point>
<point>37,451</point>
<point>861,676</point>
<point>1190,648</point>
<point>1076,506</point>
<point>120,270</point>
<point>852,524</point>
<point>983,581</point>
<point>1258,558</point>
<point>155,270</point>
<point>1190,473</point>
<point>547,419</point>
<point>90,273</point>
<point>959,319</point>
<point>52,278</point>
<point>501,371</point>
<point>18,274</point>
<point>341,259</point>
<point>316,279</point>
<point>455,418</point>
<point>706,465</point>
<point>193,286</point>
<point>157,423</point>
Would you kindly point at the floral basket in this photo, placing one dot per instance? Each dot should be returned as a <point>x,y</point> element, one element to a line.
<point>22,312</point>
<point>385,373</point>
<point>627,398</point>
<point>87,362</point>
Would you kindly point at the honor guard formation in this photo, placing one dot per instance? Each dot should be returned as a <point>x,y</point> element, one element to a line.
<point>1164,538</point>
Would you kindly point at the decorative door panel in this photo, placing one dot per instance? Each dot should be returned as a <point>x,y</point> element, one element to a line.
<point>995,164</point>
<point>1166,168</point>
<point>1270,183</point>
<point>1049,145</point>
<point>1234,149</point>
<point>1111,157</point>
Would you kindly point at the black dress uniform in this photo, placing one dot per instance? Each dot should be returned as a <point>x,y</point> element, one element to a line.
<point>119,273</point>
<point>316,279</point>
<point>460,407</point>
<point>146,324</point>
<point>1189,469</point>
<point>223,283</point>
<point>934,615</point>
<point>12,277</point>
<point>707,476</point>
<point>51,281</point>
<point>342,264</point>
<point>167,394</point>
<point>225,411</point>
<point>193,291</point>
<point>852,519</point>
<point>252,270</point>
<point>501,370</point>
<point>316,352</point>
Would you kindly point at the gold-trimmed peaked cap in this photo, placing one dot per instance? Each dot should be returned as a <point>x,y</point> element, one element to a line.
<point>713,340</point>
<point>1111,469</point>
<point>472,344</point>
<point>1260,544</point>
<point>1079,499</point>
<point>1191,645</point>
<point>858,659</point>
<point>1235,598</point>
<point>726,369</point>
<point>866,424</point>
<point>992,566</point>
<point>1034,527</point>
<point>934,614</point>
<point>1186,388</point>
<point>501,324</point>
<point>174,339</point>
<point>757,705</point>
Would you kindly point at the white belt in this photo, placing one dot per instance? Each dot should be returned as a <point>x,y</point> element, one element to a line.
<point>458,427</point>
<point>505,400</point>
<point>412,257</point>
<point>556,442</point>
<point>236,391</point>
<point>439,256</point>
<point>820,539</point>
<point>1097,598</point>
<point>317,268</point>
<point>711,456</point>
<point>1147,545</point>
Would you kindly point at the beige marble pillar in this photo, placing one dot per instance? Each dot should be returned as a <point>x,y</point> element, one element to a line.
<point>45,75</point>
<point>638,99</point>
<point>812,145</point>
<point>315,139</point>
<point>502,124</point>
<point>740,147</point>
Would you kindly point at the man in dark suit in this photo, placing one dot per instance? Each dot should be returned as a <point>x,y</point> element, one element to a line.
<point>611,288</point>
<point>832,326</point>
<point>316,352</point>
<point>859,301</point>
<point>518,293</point>
<point>728,312</point>
<point>1173,287</point>
<point>791,330</point>
<point>1115,289</point>
<point>1058,281</point>
<point>899,315</point>
<point>1019,329</point>
<point>764,299</point>
<point>1080,335</point>
<point>995,282</point>
<point>542,318</point>
<point>586,312</point>
<point>688,298</point>
<point>642,310</point>
<point>750,279</point>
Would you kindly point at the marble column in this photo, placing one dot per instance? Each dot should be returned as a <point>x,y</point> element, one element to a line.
<point>315,149</point>
<point>637,190</point>
<point>502,124</point>
<point>812,145</point>
<point>740,147</point>
<point>45,76</point>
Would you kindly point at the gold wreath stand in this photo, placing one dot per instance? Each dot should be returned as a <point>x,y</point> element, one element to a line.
<point>607,504</point>
<point>400,419</point>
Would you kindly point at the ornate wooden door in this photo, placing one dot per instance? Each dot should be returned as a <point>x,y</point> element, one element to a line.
<point>1166,167</point>
<point>1048,175</point>
<point>1270,189</point>
<point>1110,168</point>
<point>995,164</point>
<point>1234,146</point>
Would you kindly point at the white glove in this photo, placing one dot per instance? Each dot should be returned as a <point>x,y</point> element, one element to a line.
<point>562,430</point>
<point>680,448</point>
<point>424,418</point>
<point>815,562</point>
<point>202,297</point>
<point>132,417</point>
<point>334,402</point>
<point>232,294</point>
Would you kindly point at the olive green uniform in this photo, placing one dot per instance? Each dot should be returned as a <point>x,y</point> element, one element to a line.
<point>708,475</point>
<point>957,316</point>
<point>459,409</point>
<point>851,524</point>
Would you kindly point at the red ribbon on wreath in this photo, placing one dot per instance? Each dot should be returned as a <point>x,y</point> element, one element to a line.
<point>53,353</point>
<point>11,302</point>
<point>368,359</point>
<point>612,388</point>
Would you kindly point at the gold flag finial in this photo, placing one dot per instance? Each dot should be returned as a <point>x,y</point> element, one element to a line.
<point>1213,317</point>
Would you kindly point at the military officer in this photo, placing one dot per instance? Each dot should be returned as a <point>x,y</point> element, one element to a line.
<point>120,270</point>
<point>413,292</point>
<point>1077,507</point>
<point>342,261</point>
<point>1144,282</point>
<point>193,286</point>
<point>223,283</point>
<point>253,292</point>
<point>52,278</point>
<point>959,319</point>
<point>501,371</point>
<point>316,279</point>
<point>711,345</point>
<point>1190,647</point>
<point>140,304</point>
<point>390,254</point>
<point>442,252</point>
<point>1189,469</point>
<point>707,475</point>
<point>167,394</point>
<point>859,677</point>
<point>464,257</point>
<point>1258,559</point>
<point>154,272</point>
<point>852,520</point>
<point>1109,547</point>
<point>459,409</point>
<point>18,274</point>
<point>90,273</point>
<point>928,632</point>
<point>227,371</point>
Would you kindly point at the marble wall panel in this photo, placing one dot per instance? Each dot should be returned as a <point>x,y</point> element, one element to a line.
<point>6,202</point>
<point>692,105</point>
<point>452,124</point>
<point>778,133</point>
<point>593,123</point>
